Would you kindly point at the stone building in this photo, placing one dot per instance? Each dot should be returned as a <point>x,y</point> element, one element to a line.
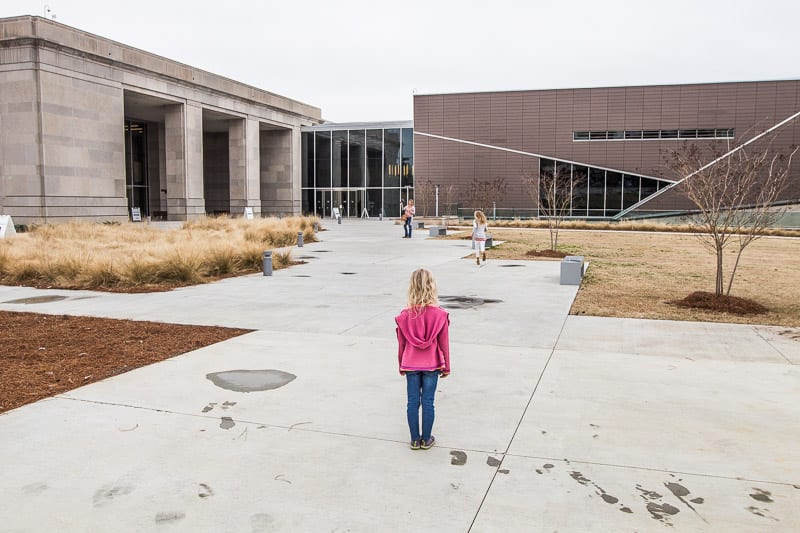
<point>92,129</point>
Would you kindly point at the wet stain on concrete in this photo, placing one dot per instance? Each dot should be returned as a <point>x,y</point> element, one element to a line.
<point>306,257</point>
<point>320,251</point>
<point>796,486</point>
<point>261,522</point>
<point>226,405</point>
<point>583,480</point>
<point>648,494</point>
<point>540,472</point>
<point>465,302</point>
<point>548,466</point>
<point>577,476</point>
<point>660,511</point>
<point>698,500</point>
<point>108,493</point>
<point>35,488</point>
<point>37,300</point>
<point>455,486</point>
<point>761,495</point>
<point>227,422</point>
<point>205,491</point>
<point>626,510</point>
<point>762,513</point>
<point>301,276</point>
<point>493,461</point>
<point>169,516</point>
<point>681,492</point>
<point>250,380</point>
<point>279,477</point>
<point>209,407</point>
<point>459,458</point>
<point>504,470</point>
<point>348,273</point>
<point>512,266</point>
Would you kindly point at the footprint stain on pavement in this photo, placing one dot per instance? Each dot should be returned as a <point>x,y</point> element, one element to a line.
<point>493,461</point>
<point>761,495</point>
<point>764,513</point>
<point>658,511</point>
<point>108,493</point>
<point>680,492</point>
<point>171,516</point>
<point>35,488</point>
<point>583,480</point>
<point>459,458</point>
<point>227,422</point>
<point>205,491</point>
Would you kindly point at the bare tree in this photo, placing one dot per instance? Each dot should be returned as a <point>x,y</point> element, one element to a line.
<point>446,199</point>
<point>735,197</point>
<point>551,191</point>
<point>484,194</point>
<point>423,193</point>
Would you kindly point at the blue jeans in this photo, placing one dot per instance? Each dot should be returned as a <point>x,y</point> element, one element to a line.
<point>407,227</point>
<point>421,388</point>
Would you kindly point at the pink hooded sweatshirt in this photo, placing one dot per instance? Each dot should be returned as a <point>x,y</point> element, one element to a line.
<point>422,338</point>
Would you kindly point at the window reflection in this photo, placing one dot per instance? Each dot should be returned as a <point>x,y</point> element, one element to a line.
<point>357,152</point>
<point>322,157</point>
<point>391,154</point>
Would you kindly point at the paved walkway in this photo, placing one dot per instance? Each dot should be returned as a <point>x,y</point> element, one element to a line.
<point>548,422</point>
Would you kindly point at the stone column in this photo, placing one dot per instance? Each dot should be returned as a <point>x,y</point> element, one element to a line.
<point>183,128</point>
<point>244,157</point>
<point>296,172</point>
<point>276,172</point>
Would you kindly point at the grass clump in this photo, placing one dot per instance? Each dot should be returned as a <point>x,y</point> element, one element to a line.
<point>126,257</point>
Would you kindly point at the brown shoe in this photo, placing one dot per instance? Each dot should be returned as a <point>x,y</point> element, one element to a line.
<point>478,260</point>
<point>484,256</point>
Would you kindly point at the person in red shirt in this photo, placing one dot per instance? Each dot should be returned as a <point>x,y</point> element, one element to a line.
<point>423,353</point>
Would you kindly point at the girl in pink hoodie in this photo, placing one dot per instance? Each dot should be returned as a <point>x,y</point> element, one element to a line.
<point>423,353</point>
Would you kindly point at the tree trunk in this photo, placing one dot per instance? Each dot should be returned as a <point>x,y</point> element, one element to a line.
<point>720,281</point>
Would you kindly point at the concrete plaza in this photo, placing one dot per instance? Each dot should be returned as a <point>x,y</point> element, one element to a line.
<point>549,422</point>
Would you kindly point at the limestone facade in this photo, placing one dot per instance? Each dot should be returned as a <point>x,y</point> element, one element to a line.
<point>72,103</point>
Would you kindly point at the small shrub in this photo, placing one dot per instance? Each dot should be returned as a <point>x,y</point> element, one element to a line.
<point>282,259</point>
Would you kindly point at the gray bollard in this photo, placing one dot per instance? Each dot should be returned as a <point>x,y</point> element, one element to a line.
<point>316,227</point>
<point>266,263</point>
<point>299,239</point>
<point>339,218</point>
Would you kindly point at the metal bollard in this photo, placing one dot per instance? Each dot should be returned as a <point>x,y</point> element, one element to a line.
<point>316,227</point>
<point>266,263</point>
<point>299,239</point>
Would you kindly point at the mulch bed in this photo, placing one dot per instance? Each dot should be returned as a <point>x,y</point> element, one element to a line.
<point>43,355</point>
<point>546,253</point>
<point>725,304</point>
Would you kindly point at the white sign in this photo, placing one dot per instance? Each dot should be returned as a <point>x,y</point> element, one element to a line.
<point>136,214</point>
<point>248,213</point>
<point>6,226</point>
<point>336,212</point>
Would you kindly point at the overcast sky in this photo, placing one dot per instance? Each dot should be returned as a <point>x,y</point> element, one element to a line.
<point>362,60</point>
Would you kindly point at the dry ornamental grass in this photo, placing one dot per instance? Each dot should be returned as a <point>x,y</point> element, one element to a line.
<point>138,257</point>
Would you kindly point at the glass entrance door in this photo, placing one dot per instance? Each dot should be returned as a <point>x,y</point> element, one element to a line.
<point>350,202</point>
<point>322,207</point>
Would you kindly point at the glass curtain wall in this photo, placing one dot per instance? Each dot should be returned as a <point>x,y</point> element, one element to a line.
<point>599,192</point>
<point>362,171</point>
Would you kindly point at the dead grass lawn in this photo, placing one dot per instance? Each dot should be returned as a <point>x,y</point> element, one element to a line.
<point>634,274</point>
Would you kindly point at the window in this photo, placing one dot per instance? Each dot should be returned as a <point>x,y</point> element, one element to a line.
<point>580,135</point>
<point>669,134</point>
<point>598,135</point>
<point>633,134</point>
<point>614,135</point>
<point>687,134</point>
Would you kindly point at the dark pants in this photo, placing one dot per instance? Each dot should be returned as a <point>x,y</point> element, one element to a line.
<point>407,227</point>
<point>421,387</point>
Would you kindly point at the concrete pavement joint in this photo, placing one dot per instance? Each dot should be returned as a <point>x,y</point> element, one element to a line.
<point>519,423</point>
<point>755,329</point>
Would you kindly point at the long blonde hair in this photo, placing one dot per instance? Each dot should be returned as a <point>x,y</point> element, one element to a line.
<point>480,218</point>
<point>422,290</point>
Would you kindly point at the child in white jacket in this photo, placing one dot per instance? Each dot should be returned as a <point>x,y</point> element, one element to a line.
<point>479,226</point>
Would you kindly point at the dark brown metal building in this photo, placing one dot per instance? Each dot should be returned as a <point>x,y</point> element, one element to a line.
<point>614,137</point>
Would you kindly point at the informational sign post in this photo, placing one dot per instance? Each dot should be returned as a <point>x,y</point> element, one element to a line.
<point>6,226</point>
<point>248,213</point>
<point>136,214</point>
<point>336,212</point>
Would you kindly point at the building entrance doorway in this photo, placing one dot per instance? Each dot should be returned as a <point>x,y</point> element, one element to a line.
<point>351,202</point>
<point>136,178</point>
